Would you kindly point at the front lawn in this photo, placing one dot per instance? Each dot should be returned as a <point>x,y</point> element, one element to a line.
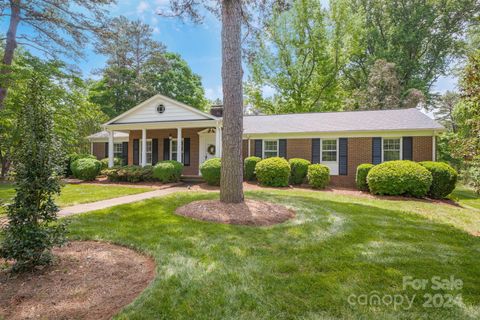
<point>73,194</point>
<point>337,249</point>
<point>466,197</point>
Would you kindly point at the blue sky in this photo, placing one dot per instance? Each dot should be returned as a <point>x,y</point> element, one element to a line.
<point>198,44</point>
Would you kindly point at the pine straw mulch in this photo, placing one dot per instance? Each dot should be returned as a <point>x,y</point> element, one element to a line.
<point>250,212</point>
<point>88,280</point>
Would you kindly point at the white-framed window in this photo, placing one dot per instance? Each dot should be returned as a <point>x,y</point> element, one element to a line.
<point>329,150</point>
<point>148,151</point>
<point>270,148</point>
<point>118,150</point>
<point>173,149</point>
<point>392,149</point>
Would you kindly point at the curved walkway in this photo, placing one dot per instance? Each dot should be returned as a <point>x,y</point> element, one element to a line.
<point>86,207</point>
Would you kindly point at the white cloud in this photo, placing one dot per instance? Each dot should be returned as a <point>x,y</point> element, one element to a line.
<point>214,93</point>
<point>156,30</point>
<point>142,7</point>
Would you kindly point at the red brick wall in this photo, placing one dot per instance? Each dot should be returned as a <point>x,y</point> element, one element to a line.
<point>99,150</point>
<point>422,148</point>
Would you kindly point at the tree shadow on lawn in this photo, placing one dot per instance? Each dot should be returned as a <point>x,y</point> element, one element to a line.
<point>307,267</point>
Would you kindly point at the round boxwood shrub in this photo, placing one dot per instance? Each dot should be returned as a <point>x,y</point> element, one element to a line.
<point>361,176</point>
<point>71,158</point>
<point>116,162</point>
<point>444,178</point>
<point>318,175</point>
<point>249,167</point>
<point>299,169</point>
<point>400,177</point>
<point>210,171</point>
<point>168,171</point>
<point>86,168</point>
<point>273,172</point>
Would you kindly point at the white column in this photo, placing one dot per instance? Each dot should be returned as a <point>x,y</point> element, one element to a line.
<point>220,145</point>
<point>144,147</point>
<point>217,141</point>
<point>110,148</point>
<point>179,144</point>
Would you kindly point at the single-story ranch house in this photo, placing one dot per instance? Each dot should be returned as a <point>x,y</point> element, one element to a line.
<point>161,128</point>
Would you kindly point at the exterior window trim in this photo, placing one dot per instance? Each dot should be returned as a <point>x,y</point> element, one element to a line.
<point>269,140</point>
<point>321,150</point>
<point>172,150</point>
<point>140,151</point>
<point>392,138</point>
<point>118,153</point>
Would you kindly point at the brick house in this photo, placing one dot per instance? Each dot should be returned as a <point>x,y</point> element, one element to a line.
<point>161,128</point>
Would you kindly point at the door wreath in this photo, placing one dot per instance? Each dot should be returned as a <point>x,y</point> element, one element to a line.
<point>211,149</point>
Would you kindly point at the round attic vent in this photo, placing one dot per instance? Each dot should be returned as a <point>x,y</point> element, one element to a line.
<point>160,108</point>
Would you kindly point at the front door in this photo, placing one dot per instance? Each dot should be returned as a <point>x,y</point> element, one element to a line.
<point>207,146</point>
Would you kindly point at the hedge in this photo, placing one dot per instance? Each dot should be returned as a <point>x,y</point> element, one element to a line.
<point>168,171</point>
<point>361,176</point>
<point>249,167</point>
<point>72,157</point>
<point>116,162</point>
<point>129,174</point>
<point>400,177</point>
<point>318,175</point>
<point>210,171</point>
<point>273,172</point>
<point>444,178</point>
<point>299,169</point>
<point>86,168</point>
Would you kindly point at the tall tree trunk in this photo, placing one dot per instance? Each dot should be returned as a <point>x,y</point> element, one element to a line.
<point>231,182</point>
<point>10,47</point>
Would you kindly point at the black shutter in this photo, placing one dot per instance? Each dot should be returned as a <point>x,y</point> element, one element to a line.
<point>343,156</point>
<point>376,150</point>
<point>166,149</point>
<point>282,148</point>
<point>258,148</point>
<point>316,150</point>
<point>125,153</point>
<point>186,152</point>
<point>106,150</point>
<point>136,152</point>
<point>407,146</point>
<point>154,151</point>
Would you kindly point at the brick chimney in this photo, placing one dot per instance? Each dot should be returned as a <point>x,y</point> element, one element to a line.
<point>217,111</point>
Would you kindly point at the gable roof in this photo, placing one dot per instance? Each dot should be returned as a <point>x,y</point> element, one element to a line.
<point>376,120</point>
<point>144,112</point>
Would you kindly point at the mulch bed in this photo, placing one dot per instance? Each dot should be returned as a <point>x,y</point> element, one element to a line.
<point>88,280</point>
<point>250,212</point>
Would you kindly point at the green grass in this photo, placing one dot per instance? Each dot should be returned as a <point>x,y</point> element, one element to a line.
<point>302,269</point>
<point>466,197</point>
<point>73,194</point>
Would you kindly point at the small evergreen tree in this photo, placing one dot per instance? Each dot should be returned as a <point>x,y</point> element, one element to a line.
<point>32,229</point>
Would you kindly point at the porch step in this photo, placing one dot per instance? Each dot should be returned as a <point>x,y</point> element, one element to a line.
<point>191,178</point>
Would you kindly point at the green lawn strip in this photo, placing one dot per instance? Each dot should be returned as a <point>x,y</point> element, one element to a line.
<point>466,196</point>
<point>73,194</point>
<point>302,269</point>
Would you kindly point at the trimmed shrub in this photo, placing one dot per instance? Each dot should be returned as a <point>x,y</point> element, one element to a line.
<point>168,171</point>
<point>249,167</point>
<point>361,176</point>
<point>210,171</point>
<point>444,178</point>
<point>318,175</point>
<point>299,169</point>
<point>116,162</point>
<point>400,177</point>
<point>129,174</point>
<point>72,157</point>
<point>86,168</point>
<point>273,172</point>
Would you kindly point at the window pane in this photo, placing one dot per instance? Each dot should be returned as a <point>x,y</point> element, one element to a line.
<point>329,145</point>
<point>269,154</point>
<point>270,148</point>
<point>329,150</point>
<point>117,150</point>
<point>329,156</point>
<point>391,149</point>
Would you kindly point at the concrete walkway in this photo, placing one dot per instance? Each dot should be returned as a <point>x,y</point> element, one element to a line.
<point>86,207</point>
